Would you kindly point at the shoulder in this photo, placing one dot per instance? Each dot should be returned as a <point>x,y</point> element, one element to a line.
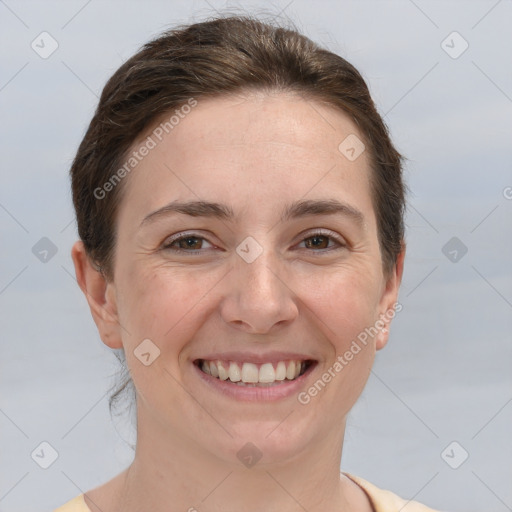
<point>75,505</point>
<point>386,501</point>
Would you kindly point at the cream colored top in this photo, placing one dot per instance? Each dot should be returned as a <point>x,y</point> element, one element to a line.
<point>381,500</point>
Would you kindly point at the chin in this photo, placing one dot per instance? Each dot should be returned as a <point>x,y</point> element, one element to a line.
<point>270,442</point>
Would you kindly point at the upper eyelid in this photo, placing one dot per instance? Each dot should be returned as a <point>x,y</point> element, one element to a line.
<point>180,236</point>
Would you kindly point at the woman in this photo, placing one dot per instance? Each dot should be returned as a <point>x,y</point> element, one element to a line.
<point>240,211</point>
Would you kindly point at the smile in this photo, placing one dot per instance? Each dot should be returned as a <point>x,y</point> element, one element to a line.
<point>251,374</point>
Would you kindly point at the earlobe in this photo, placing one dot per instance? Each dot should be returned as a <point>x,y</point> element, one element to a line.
<point>382,338</point>
<point>389,300</point>
<point>99,294</point>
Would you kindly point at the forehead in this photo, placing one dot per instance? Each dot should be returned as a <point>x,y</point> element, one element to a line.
<point>261,117</point>
<point>257,147</point>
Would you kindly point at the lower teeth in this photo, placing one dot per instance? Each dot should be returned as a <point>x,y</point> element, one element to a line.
<point>256,384</point>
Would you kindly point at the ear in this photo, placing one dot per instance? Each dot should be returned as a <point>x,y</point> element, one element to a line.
<point>100,295</point>
<point>388,305</point>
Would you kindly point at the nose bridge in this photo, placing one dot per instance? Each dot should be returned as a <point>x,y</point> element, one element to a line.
<point>262,275</point>
<point>258,297</point>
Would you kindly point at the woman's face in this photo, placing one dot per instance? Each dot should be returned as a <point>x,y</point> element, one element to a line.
<point>280,262</point>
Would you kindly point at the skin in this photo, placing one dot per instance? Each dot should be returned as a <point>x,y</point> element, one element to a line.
<point>254,153</point>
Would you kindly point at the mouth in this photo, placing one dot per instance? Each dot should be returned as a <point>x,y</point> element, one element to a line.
<point>256,375</point>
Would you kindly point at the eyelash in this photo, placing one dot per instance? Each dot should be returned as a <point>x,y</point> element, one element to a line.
<point>323,233</point>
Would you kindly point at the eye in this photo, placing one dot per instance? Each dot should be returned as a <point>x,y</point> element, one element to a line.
<point>189,243</point>
<point>319,241</point>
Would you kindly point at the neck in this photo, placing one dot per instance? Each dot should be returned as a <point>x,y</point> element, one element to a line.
<point>177,472</point>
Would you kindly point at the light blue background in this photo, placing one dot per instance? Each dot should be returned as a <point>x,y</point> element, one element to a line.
<point>445,375</point>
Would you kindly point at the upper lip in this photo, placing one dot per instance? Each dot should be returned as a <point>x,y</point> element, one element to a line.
<point>259,358</point>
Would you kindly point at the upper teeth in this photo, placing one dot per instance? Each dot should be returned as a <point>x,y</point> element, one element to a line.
<point>251,373</point>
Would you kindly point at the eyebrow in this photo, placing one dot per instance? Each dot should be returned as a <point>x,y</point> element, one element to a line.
<point>223,212</point>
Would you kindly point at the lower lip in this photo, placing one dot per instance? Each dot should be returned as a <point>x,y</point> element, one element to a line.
<point>254,393</point>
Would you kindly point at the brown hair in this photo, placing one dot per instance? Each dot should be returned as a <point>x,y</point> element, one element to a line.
<point>225,55</point>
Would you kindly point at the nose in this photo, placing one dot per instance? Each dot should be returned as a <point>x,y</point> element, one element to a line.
<point>259,297</point>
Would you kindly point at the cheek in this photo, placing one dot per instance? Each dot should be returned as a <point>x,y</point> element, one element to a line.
<point>166,306</point>
<point>160,307</point>
<point>346,302</point>
<point>343,309</point>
